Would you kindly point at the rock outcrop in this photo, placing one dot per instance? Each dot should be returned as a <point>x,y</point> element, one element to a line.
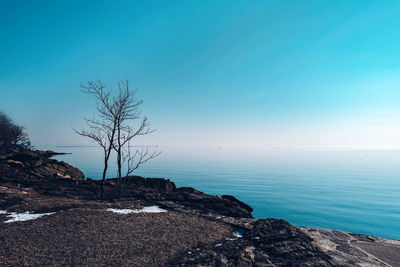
<point>28,164</point>
<point>276,243</point>
<point>225,205</point>
<point>270,242</point>
<point>152,190</point>
<point>35,168</point>
<point>158,189</point>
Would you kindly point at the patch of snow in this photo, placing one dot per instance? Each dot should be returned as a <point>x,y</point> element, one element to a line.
<point>3,187</point>
<point>151,209</point>
<point>63,176</point>
<point>237,234</point>
<point>120,211</point>
<point>21,217</point>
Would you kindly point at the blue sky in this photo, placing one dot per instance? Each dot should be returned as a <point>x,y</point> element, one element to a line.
<point>210,72</point>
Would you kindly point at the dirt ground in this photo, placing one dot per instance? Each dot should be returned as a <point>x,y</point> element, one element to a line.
<point>86,234</point>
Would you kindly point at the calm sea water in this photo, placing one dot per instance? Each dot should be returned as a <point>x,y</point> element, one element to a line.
<point>351,189</point>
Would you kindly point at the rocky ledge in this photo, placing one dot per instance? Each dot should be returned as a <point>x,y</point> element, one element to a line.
<point>35,169</point>
<point>196,230</point>
<point>18,164</point>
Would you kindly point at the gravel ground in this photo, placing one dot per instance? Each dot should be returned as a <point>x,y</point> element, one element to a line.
<point>96,237</point>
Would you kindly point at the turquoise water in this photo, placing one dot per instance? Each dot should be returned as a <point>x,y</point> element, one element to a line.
<point>350,189</point>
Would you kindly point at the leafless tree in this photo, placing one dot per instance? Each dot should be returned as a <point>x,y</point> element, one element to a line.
<point>113,128</point>
<point>129,113</point>
<point>101,130</point>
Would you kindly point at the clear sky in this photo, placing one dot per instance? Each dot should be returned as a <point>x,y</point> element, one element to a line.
<point>212,72</point>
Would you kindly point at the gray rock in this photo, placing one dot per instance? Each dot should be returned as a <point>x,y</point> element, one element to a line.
<point>349,249</point>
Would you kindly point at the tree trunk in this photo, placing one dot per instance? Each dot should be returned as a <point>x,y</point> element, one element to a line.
<point>119,159</point>
<point>107,153</point>
<point>119,151</point>
<point>103,180</point>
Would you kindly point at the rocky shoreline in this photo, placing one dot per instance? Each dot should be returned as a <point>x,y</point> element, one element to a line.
<point>201,224</point>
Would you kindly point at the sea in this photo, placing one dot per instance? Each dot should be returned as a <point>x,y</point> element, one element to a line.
<point>349,188</point>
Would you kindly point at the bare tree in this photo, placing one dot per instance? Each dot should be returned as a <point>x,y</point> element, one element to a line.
<point>101,130</point>
<point>129,113</point>
<point>113,129</point>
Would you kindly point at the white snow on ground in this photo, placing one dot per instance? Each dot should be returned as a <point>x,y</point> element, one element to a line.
<point>237,234</point>
<point>21,217</point>
<point>121,211</point>
<point>151,209</point>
